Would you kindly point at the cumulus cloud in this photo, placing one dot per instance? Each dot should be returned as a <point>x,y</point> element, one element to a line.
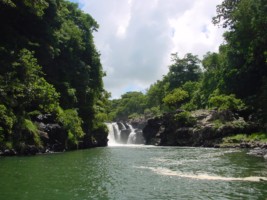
<point>136,37</point>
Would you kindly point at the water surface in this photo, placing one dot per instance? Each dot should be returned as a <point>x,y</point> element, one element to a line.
<point>135,172</point>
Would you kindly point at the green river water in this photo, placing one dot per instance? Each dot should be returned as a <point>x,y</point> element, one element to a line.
<point>135,172</point>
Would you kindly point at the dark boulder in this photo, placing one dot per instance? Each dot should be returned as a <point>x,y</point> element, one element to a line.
<point>9,152</point>
<point>30,150</point>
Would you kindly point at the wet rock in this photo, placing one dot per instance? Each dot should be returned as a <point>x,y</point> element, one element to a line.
<point>138,123</point>
<point>45,118</point>
<point>125,135</point>
<point>53,135</point>
<point>245,145</point>
<point>44,136</point>
<point>150,131</point>
<point>258,152</point>
<point>139,137</point>
<point>31,150</point>
<point>10,152</point>
<point>121,126</point>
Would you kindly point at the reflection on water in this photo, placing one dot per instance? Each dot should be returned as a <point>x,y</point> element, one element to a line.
<point>135,172</point>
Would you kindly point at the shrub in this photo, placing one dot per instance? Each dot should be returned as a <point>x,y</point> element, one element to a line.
<point>190,106</point>
<point>176,98</point>
<point>134,116</point>
<point>100,134</point>
<point>72,123</point>
<point>152,112</point>
<point>31,128</point>
<point>226,102</point>
<point>184,119</point>
<point>7,119</point>
<point>262,137</point>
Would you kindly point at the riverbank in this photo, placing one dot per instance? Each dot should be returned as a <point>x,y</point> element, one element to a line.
<point>53,137</point>
<point>201,128</point>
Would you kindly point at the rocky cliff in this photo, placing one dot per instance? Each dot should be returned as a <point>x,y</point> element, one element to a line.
<point>199,128</point>
<point>54,138</point>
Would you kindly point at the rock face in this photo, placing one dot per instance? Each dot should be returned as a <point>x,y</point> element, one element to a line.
<point>138,123</point>
<point>199,128</point>
<point>54,138</point>
<point>52,134</point>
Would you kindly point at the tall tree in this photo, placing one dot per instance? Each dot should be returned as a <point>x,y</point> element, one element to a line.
<point>245,67</point>
<point>183,70</point>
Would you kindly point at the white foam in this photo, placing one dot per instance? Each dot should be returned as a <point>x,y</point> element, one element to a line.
<point>127,145</point>
<point>168,172</point>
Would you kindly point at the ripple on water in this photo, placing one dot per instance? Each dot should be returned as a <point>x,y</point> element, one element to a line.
<point>135,172</point>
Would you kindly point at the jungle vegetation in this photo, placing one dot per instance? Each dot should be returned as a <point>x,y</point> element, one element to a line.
<point>49,65</point>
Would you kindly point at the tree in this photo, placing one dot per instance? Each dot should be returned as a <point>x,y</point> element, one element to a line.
<point>23,87</point>
<point>130,102</point>
<point>226,102</point>
<point>156,93</point>
<point>225,13</point>
<point>245,65</point>
<point>176,98</point>
<point>183,70</point>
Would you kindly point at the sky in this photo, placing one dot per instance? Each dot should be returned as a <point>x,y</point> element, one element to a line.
<point>137,37</point>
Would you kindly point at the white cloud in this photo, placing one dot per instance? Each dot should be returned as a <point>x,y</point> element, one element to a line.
<point>136,37</point>
<point>194,32</point>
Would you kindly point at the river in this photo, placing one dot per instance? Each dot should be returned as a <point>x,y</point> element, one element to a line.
<point>135,172</point>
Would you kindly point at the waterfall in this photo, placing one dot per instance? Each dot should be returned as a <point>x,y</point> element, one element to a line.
<point>120,133</point>
<point>111,133</point>
<point>132,136</point>
<point>123,126</point>
<point>117,132</point>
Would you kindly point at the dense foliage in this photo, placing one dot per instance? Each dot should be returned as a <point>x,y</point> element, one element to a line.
<point>234,78</point>
<point>49,65</point>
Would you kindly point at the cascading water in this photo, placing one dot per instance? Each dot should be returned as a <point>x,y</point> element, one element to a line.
<point>117,132</point>
<point>120,133</point>
<point>111,134</point>
<point>132,136</point>
<point>123,126</point>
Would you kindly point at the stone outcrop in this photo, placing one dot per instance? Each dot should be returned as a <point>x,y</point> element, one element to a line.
<point>199,128</point>
<point>54,138</point>
<point>138,123</point>
<point>261,151</point>
<point>53,135</point>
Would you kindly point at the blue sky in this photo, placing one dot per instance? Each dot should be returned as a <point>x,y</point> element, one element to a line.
<point>136,37</point>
